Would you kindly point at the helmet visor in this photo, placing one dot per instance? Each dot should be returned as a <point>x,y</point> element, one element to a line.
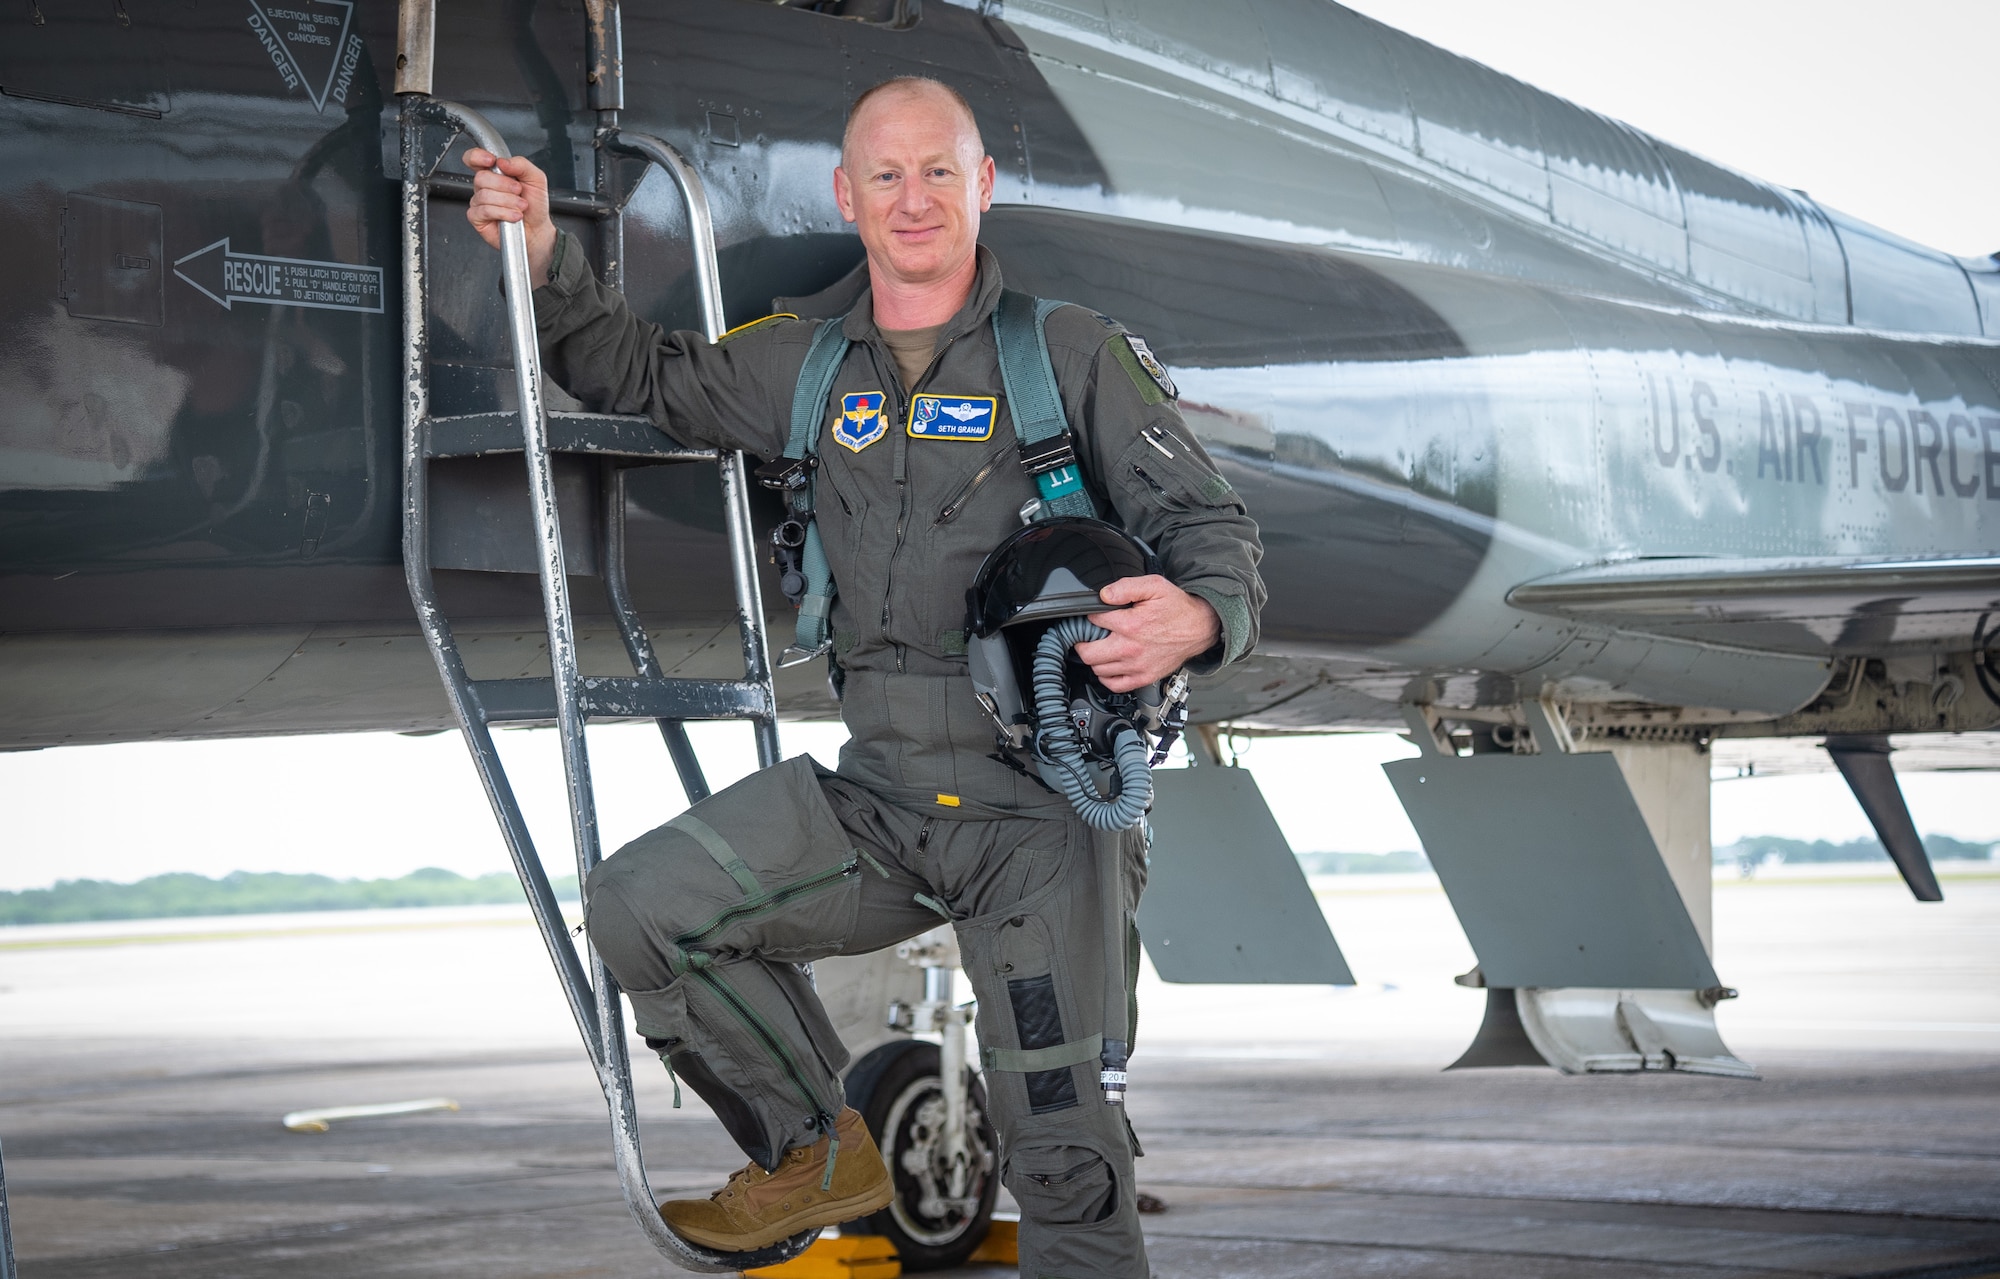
<point>1054,569</point>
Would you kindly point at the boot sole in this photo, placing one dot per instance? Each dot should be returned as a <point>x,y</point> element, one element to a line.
<point>831,1213</point>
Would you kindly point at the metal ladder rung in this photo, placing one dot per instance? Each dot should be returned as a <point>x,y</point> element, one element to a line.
<point>517,701</point>
<point>601,434</point>
<point>451,186</point>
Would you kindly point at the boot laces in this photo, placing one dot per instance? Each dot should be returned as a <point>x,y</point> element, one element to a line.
<point>742,1179</point>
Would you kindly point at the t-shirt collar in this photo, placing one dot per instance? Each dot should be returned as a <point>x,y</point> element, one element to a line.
<point>860,324</point>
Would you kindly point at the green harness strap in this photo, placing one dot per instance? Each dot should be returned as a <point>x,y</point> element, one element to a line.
<point>1034,401</point>
<point>1041,429</point>
<point>816,377</point>
<point>720,849</point>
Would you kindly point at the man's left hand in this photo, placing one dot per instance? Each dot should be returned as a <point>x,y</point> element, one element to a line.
<point>1164,627</point>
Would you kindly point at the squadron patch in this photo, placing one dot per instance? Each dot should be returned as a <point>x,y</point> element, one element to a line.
<point>1154,369</point>
<point>952,417</point>
<point>861,420</point>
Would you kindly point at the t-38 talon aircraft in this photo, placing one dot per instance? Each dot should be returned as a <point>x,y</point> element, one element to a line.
<point>1574,453</point>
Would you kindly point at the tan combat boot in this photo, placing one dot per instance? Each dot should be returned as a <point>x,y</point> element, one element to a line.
<point>757,1208</point>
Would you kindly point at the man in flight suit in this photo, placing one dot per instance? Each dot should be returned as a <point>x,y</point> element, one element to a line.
<point>708,921</point>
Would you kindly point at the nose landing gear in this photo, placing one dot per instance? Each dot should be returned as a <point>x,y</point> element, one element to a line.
<point>945,1181</point>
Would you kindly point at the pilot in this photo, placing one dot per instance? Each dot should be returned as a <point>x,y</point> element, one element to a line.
<point>709,921</point>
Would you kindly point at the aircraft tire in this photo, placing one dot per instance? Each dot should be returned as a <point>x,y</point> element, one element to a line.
<point>897,1090</point>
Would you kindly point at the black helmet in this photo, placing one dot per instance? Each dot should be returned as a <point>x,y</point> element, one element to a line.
<point>1053,569</point>
<point>1033,592</point>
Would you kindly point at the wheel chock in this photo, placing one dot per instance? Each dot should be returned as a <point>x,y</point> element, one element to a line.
<point>1001,1247</point>
<point>842,1257</point>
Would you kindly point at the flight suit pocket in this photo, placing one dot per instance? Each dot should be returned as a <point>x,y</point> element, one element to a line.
<point>971,484</point>
<point>1164,471</point>
<point>1021,947</point>
<point>1061,1185</point>
<point>661,1014</point>
<point>1029,871</point>
<point>762,867</point>
<point>809,919</point>
<point>1026,1001</point>
<point>1038,1024</point>
<point>843,524</point>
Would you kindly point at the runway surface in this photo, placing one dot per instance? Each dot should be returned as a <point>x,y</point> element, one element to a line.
<point>144,1067</point>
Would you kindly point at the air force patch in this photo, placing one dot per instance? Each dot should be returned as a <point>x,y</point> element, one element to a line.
<point>861,420</point>
<point>952,417</point>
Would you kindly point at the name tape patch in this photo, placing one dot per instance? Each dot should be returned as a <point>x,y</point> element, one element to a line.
<point>952,417</point>
<point>861,421</point>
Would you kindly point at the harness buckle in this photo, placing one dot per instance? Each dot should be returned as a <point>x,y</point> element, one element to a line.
<point>1053,453</point>
<point>786,474</point>
<point>794,654</point>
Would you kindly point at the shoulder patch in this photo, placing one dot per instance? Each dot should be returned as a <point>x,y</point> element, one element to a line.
<point>1147,373</point>
<point>1154,369</point>
<point>861,421</point>
<point>741,329</point>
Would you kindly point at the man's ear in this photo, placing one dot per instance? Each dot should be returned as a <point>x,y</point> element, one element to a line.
<point>985,183</point>
<point>843,192</point>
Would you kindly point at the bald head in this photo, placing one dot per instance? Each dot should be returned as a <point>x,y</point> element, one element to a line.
<point>907,98</point>
<point>914,178</point>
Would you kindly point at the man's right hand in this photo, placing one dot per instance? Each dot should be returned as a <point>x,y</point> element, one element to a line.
<point>518,192</point>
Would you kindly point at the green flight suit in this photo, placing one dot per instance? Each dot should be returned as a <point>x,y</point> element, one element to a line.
<point>708,921</point>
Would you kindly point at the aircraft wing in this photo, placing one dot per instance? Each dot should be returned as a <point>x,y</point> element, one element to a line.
<point>1793,604</point>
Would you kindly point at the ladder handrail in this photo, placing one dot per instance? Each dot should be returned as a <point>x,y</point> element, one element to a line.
<point>735,474</point>
<point>550,566</point>
<point>430,615</point>
<point>6,1228</point>
<point>701,223</point>
<point>593,999</point>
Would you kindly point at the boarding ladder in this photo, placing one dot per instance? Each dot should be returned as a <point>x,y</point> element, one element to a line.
<point>565,698</point>
<point>6,1229</point>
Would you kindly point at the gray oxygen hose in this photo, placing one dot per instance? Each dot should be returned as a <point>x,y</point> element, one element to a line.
<point>1061,745</point>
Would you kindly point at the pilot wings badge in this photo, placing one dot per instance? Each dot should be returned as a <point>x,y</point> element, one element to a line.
<point>1154,369</point>
<point>952,417</point>
<point>861,421</point>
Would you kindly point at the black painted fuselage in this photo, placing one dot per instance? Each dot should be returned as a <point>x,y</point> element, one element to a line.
<point>1447,336</point>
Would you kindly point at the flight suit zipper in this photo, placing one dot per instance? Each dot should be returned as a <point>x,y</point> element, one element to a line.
<point>773,1045</point>
<point>1151,483</point>
<point>958,500</point>
<point>903,490</point>
<point>769,901</point>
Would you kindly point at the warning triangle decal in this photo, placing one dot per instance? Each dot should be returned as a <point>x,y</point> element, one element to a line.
<point>306,40</point>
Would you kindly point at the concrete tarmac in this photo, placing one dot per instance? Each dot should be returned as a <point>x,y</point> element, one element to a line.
<point>144,1067</point>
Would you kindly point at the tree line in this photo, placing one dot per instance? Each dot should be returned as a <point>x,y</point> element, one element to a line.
<point>256,893</point>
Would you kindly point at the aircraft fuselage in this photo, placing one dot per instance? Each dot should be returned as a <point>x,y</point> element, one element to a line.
<point>1431,383</point>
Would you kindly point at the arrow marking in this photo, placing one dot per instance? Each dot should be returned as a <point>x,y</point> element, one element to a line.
<point>230,277</point>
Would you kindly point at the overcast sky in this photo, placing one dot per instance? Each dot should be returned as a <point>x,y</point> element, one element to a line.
<point>366,805</point>
<point>1885,111</point>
